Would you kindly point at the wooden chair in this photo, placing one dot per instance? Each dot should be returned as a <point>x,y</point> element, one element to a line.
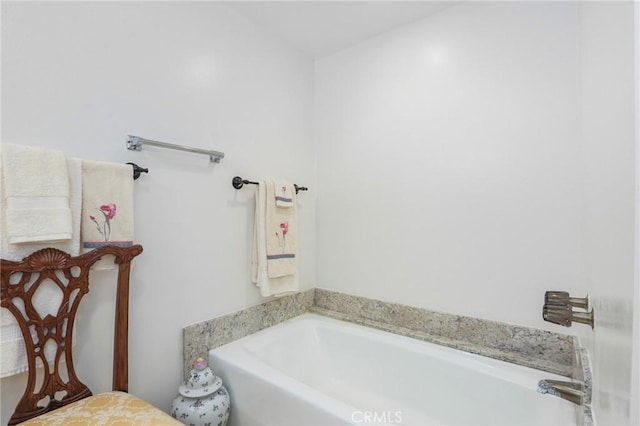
<point>60,389</point>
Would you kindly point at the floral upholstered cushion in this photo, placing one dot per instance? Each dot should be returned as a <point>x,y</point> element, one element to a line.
<point>110,408</point>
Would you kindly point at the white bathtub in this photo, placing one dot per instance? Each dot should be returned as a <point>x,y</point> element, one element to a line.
<point>314,370</point>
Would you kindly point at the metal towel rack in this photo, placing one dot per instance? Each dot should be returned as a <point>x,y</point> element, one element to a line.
<point>238,183</point>
<point>134,143</point>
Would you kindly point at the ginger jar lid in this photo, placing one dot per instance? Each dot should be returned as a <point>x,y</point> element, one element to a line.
<point>201,381</point>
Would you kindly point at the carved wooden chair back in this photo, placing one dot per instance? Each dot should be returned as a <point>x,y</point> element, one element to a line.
<point>48,337</point>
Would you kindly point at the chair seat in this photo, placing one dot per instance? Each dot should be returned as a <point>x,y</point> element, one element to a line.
<point>109,408</point>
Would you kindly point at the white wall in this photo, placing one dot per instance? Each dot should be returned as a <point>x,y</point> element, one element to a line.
<point>609,115</point>
<point>81,76</point>
<point>473,160</point>
<point>635,358</point>
<point>448,165</point>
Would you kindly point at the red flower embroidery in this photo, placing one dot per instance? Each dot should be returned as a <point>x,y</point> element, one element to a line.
<point>285,230</point>
<point>109,210</point>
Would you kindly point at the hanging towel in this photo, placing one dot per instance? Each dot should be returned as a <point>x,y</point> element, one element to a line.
<point>107,207</point>
<point>284,192</point>
<point>19,251</point>
<point>36,185</point>
<point>268,286</point>
<point>281,229</point>
<point>13,356</point>
<point>13,359</point>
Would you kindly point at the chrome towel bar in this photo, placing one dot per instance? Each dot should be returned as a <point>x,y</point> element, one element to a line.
<point>134,143</point>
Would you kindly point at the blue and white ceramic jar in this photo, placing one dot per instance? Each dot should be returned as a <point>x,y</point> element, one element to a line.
<point>203,401</point>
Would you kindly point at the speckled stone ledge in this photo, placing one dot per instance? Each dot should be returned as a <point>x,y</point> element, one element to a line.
<point>199,338</point>
<point>583,374</point>
<point>540,349</point>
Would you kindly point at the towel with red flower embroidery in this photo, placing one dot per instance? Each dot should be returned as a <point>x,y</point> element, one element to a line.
<point>284,193</point>
<point>281,234</point>
<point>107,206</point>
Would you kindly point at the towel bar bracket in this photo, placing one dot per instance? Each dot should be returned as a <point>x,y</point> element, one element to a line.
<point>137,170</point>
<point>133,143</point>
<point>300,188</point>
<point>238,182</point>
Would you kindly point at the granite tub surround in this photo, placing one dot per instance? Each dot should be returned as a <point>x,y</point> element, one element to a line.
<point>199,338</point>
<point>540,349</point>
<point>583,374</point>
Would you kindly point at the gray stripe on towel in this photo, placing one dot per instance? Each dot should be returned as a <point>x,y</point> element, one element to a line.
<point>280,256</point>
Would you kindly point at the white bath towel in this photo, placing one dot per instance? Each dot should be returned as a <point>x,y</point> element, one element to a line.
<point>13,358</point>
<point>281,230</point>
<point>36,185</point>
<point>107,207</point>
<point>268,286</point>
<point>19,251</point>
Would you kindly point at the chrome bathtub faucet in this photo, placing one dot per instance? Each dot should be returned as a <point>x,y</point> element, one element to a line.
<point>558,309</point>
<point>570,391</point>
<point>564,315</point>
<point>562,298</point>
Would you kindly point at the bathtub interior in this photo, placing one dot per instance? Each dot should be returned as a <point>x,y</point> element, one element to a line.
<point>402,380</point>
